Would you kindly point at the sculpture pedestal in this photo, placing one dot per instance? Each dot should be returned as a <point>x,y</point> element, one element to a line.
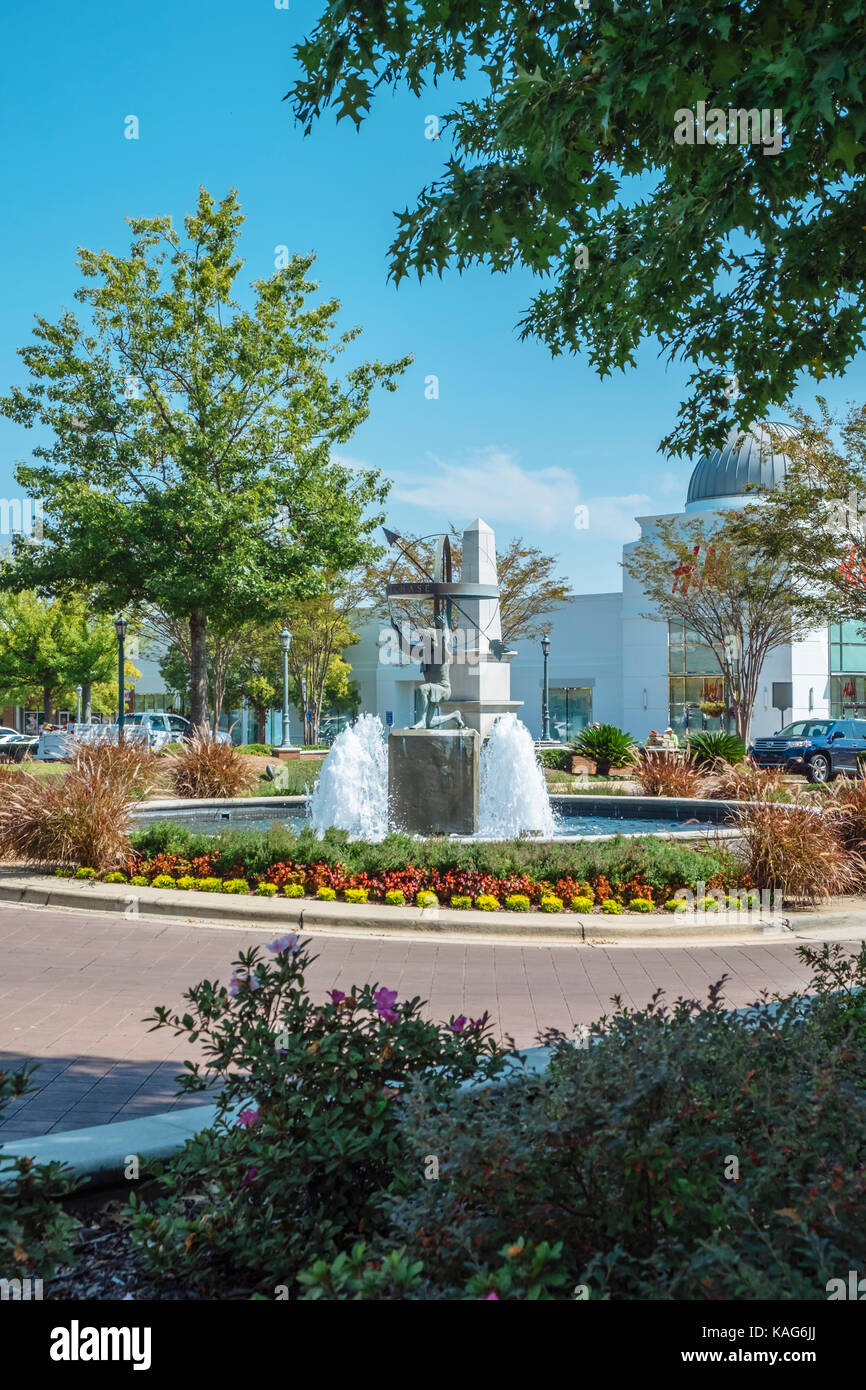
<point>434,781</point>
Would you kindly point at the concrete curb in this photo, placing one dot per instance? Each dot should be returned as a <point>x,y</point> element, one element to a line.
<point>307,914</point>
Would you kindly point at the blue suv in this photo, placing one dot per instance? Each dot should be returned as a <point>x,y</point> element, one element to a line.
<point>819,748</point>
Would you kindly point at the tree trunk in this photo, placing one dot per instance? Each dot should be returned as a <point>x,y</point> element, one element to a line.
<point>86,702</point>
<point>46,703</point>
<point>198,670</point>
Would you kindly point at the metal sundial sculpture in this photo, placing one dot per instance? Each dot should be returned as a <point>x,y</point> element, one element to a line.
<point>444,591</point>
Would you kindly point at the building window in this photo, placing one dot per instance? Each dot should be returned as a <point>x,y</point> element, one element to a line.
<point>694,678</point>
<point>570,711</point>
<point>847,663</point>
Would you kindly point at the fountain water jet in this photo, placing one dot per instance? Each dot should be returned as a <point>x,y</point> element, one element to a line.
<point>351,792</point>
<point>513,798</point>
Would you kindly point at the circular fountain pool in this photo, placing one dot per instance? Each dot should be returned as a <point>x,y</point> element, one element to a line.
<point>574,817</point>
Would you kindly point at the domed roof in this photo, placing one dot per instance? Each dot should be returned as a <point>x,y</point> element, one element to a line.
<point>746,460</point>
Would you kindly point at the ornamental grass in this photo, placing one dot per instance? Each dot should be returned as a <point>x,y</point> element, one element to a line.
<point>205,767</point>
<point>746,781</point>
<point>661,776</point>
<point>798,851</point>
<point>81,817</point>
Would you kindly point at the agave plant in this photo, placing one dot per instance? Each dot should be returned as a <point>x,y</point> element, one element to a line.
<point>605,745</point>
<point>716,746</point>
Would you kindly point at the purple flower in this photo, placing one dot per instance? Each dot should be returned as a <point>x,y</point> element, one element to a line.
<point>489,1296</point>
<point>476,1023</point>
<point>285,943</point>
<point>249,1179</point>
<point>458,1024</point>
<point>385,999</point>
<point>336,996</point>
<point>234,985</point>
<point>248,1118</point>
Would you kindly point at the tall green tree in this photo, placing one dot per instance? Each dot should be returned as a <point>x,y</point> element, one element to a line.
<point>567,153</point>
<point>47,648</point>
<point>190,464</point>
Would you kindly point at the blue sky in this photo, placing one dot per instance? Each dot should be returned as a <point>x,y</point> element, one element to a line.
<point>514,436</point>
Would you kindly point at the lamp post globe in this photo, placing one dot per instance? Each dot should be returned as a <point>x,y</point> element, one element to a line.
<point>120,626</point>
<point>285,644</point>
<point>78,693</point>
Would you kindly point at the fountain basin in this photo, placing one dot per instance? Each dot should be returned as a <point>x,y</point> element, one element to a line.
<point>576,817</point>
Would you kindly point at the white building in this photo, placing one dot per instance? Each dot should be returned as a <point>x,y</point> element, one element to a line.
<point>611,662</point>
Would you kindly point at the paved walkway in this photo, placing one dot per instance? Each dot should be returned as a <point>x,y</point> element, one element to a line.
<point>75,987</point>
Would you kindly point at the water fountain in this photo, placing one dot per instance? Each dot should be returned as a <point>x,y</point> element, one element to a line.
<point>513,800</point>
<point>352,790</point>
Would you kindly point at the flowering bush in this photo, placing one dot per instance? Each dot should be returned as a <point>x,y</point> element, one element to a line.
<point>307,1138</point>
<point>623,1151</point>
<point>517,902</point>
<point>34,1230</point>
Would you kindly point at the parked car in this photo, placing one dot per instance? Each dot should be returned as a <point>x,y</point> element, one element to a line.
<point>155,728</point>
<point>820,749</point>
<point>14,747</point>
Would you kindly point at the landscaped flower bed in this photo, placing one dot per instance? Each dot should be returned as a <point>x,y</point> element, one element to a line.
<point>624,875</point>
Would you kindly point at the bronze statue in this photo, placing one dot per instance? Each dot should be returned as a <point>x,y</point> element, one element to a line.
<point>435,688</point>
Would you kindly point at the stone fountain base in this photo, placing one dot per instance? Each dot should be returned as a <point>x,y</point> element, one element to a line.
<point>434,781</point>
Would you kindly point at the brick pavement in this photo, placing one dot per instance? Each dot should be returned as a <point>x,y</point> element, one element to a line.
<point>75,987</point>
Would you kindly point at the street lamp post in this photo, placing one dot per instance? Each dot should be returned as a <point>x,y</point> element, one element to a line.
<point>78,692</point>
<point>545,701</point>
<point>285,643</point>
<point>120,629</point>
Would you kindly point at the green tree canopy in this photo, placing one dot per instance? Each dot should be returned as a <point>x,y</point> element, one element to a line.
<point>739,262</point>
<point>190,465</point>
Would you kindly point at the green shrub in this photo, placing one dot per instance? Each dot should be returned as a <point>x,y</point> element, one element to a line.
<point>209,885</point>
<point>267,890</point>
<point>426,900</point>
<point>186,883</point>
<point>64,873</point>
<point>732,901</point>
<point>461,901</point>
<point>35,1231</point>
<point>581,904</point>
<point>356,895</point>
<point>235,885</point>
<point>163,881</point>
<point>710,746</point>
<point>551,903</point>
<point>517,902</point>
<point>116,877</point>
<point>557,759</point>
<point>394,898</point>
<point>318,1142</point>
<point>326,895</point>
<point>605,745</point>
<point>623,1150</point>
<point>168,749</point>
<point>611,905</point>
<point>294,890</point>
<point>487,903</point>
<point>641,905</point>
<point>262,750</point>
<point>85,873</point>
<point>708,904</point>
<point>139,881</point>
<point>677,905</point>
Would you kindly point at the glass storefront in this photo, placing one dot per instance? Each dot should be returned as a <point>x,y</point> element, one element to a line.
<point>847,670</point>
<point>694,678</point>
<point>570,711</point>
